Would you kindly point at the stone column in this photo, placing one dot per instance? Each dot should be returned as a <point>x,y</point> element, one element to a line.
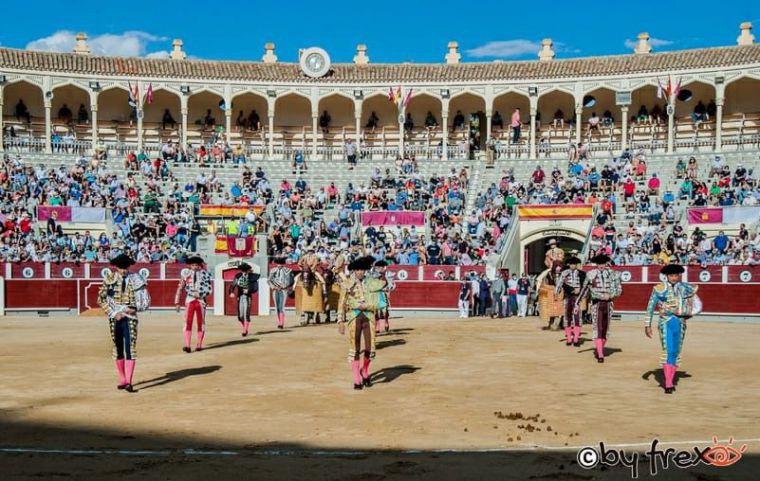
<point>228,122</point>
<point>578,123</point>
<point>314,134</point>
<point>358,118</point>
<point>671,122</point>
<point>719,124</point>
<point>624,127</point>
<point>2,141</point>
<point>140,114</point>
<point>48,127</point>
<point>400,119</point>
<point>183,112</point>
<point>94,119</point>
<point>488,124</point>
<point>270,135</point>
<point>532,139</point>
<point>445,134</point>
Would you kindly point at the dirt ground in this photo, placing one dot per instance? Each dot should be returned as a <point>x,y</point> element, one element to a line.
<point>452,399</point>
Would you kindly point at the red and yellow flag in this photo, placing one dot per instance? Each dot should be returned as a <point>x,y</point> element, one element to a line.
<point>558,211</point>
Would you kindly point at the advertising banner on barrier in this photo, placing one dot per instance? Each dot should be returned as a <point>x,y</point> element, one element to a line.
<point>86,215</point>
<point>208,210</point>
<point>555,211</point>
<point>393,217</point>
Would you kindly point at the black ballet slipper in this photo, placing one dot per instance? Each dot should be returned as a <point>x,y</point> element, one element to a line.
<point>366,382</point>
<point>129,388</point>
<point>121,386</point>
<point>358,387</point>
<point>669,390</point>
<point>187,350</point>
<point>600,360</point>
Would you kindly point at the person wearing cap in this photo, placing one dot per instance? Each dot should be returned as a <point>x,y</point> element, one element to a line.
<point>384,281</point>
<point>196,284</point>
<point>570,282</point>
<point>121,296</point>
<point>554,254</point>
<point>246,283</point>
<point>676,301</point>
<point>358,305</point>
<point>603,285</point>
<point>310,261</point>
<point>280,282</point>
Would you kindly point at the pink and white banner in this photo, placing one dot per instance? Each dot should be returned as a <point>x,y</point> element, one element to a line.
<point>723,215</point>
<point>87,215</point>
<point>393,217</point>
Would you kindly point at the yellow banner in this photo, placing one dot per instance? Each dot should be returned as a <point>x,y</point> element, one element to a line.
<point>228,210</point>
<point>563,211</point>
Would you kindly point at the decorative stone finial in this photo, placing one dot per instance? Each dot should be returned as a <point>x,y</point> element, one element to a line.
<point>269,56</point>
<point>361,55</point>
<point>643,46</point>
<point>453,56</point>
<point>546,53</point>
<point>81,47</point>
<point>177,52</point>
<point>746,37</point>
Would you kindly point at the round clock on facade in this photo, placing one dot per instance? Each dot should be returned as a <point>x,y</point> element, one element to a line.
<point>315,62</point>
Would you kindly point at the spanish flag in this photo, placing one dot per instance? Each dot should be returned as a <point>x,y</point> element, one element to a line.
<point>558,211</point>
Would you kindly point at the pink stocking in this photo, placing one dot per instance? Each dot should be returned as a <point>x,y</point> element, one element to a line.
<point>377,326</point>
<point>245,327</point>
<point>576,333</point>
<point>120,369</point>
<point>365,367</point>
<point>130,364</point>
<point>357,375</point>
<point>568,335</point>
<point>280,318</point>
<point>599,343</point>
<point>200,340</point>
<point>188,337</point>
<point>669,374</point>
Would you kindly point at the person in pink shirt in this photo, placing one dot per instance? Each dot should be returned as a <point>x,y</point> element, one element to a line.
<point>516,124</point>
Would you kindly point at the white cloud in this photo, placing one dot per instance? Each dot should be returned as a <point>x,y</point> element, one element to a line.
<point>654,42</point>
<point>159,54</point>
<point>128,44</point>
<point>505,49</point>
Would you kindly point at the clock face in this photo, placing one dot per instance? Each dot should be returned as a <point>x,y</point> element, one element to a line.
<point>315,62</point>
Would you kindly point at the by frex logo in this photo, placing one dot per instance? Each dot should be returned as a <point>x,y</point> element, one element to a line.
<point>719,455</point>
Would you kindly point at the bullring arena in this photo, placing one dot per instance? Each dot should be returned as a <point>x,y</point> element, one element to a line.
<point>456,175</point>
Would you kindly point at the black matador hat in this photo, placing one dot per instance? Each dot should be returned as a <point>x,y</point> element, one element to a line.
<point>194,260</point>
<point>279,260</point>
<point>122,261</point>
<point>245,267</point>
<point>362,264</point>
<point>600,259</point>
<point>572,260</point>
<point>381,263</point>
<point>672,269</point>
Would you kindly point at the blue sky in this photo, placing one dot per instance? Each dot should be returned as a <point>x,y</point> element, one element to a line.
<point>393,31</point>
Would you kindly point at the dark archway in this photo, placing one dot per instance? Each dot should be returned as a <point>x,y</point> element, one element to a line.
<point>535,252</point>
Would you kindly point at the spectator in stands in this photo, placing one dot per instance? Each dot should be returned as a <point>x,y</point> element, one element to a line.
<point>64,114</point>
<point>350,149</point>
<point>458,121</point>
<point>82,116</point>
<point>593,123</point>
<point>700,113</point>
<point>22,112</point>
<point>324,122</point>
<point>559,119</point>
<point>299,162</point>
<point>430,121</point>
<point>712,109</point>
<point>408,123</point>
<point>642,117</point>
<point>497,121</point>
<point>372,121</point>
<point>516,123</point>
<point>209,120</point>
<point>607,119</point>
<point>167,119</point>
<point>254,121</point>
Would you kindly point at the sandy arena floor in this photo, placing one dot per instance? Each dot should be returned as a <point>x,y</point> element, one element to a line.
<point>282,403</point>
